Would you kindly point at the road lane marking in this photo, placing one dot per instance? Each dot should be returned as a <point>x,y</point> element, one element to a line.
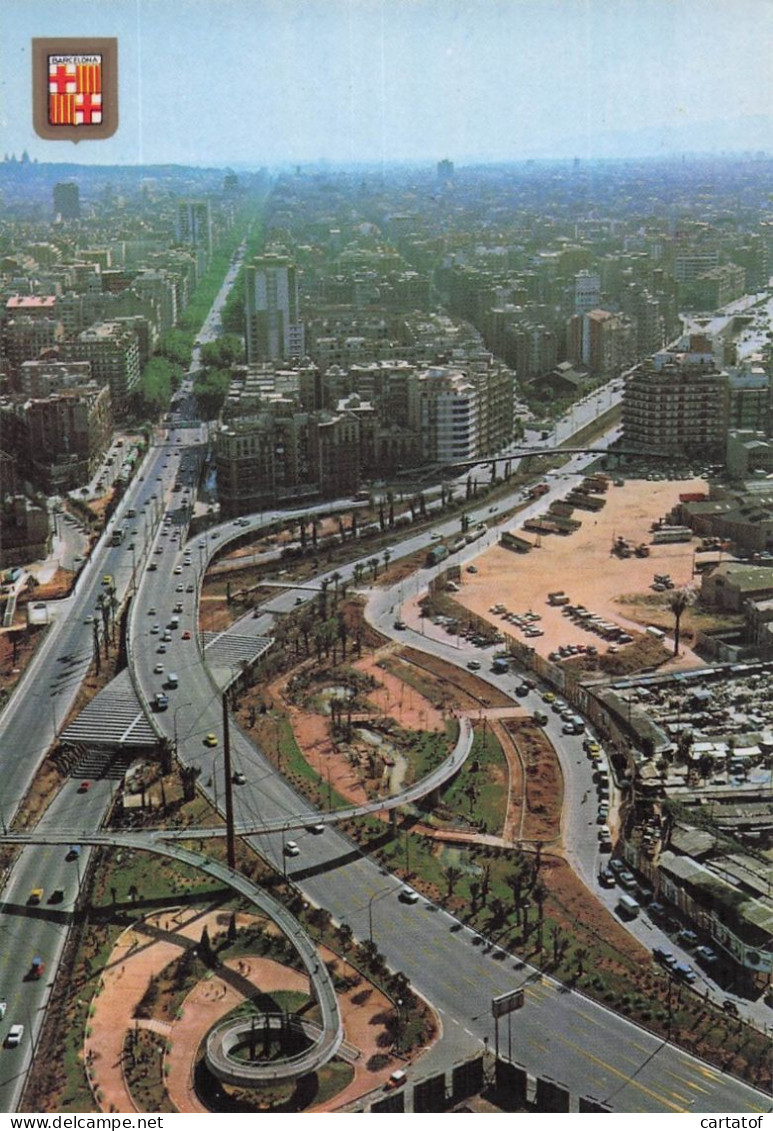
<point>621,1075</point>
<point>684,1080</point>
<point>709,1073</point>
<point>537,1045</point>
<point>587,1017</point>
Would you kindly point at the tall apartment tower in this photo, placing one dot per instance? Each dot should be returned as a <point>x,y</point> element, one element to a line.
<point>273,327</point>
<point>587,292</point>
<point>194,224</point>
<point>67,201</point>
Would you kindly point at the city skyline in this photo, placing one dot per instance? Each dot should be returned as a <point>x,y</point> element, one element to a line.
<point>255,82</point>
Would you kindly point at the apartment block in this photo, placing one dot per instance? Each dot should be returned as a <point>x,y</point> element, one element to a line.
<point>677,410</point>
<point>273,326</point>
<point>114,353</point>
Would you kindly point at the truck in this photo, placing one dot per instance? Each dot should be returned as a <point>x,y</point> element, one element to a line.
<point>118,535</point>
<point>538,490</point>
<point>436,554</point>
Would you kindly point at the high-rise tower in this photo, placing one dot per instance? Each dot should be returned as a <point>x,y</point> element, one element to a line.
<point>273,326</point>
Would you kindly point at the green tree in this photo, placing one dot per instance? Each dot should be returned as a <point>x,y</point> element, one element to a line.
<point>210,389</point>
<point>175,345</point>
<point>222,353</point>
<point>677,601</point>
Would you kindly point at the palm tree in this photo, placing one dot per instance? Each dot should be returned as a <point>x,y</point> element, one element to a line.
<point>452,875</point>
<point>485,883</point>
<point>345,935</point>
<point>539,894</point>
<point>555,934</point>
<point>498,913</point>
<point>95,641</point>
<point>323,585</point>
<point>517,881</point>
<point>357,573</point>
<point>373,563</point>
<point>387,558</point>
<point>677,601</point>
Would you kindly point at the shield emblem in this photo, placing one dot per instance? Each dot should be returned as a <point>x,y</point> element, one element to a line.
<point>75,88</point>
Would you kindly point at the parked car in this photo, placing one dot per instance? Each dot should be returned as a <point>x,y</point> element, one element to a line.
<point>664,957</point>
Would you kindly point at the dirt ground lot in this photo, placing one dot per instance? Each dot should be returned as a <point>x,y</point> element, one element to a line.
<point>583,566</point>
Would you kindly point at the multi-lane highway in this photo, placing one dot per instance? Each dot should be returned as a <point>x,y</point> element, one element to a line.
<point>560,1034</point>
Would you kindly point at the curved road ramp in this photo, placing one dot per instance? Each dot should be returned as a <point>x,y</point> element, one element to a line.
<point>234,1049</point>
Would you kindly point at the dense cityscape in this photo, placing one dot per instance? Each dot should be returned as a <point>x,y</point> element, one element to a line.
<point>387,624</point>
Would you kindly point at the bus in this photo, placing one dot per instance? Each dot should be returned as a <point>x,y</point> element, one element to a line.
<point>119,533</point>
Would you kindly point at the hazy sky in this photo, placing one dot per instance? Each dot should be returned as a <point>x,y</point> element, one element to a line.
<point>272,81</point>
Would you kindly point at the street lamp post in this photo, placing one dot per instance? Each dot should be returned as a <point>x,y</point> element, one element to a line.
<point>229,797</point>
<point>380,893</point>
<point>178,708</point>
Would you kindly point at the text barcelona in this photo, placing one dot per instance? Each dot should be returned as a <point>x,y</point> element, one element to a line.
<point>74,90</point>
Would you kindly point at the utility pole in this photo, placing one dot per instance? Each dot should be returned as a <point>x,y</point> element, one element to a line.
<point>229,798</point>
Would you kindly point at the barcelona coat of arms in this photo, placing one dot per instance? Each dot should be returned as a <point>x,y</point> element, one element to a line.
<point>75,88</point>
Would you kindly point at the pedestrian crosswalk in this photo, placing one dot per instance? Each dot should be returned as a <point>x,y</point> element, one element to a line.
<point>226,653</point>
<point>114,717</point>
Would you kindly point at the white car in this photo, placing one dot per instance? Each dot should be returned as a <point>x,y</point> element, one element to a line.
<point>408,895</point>
<point>291,848</point>
<point>15,1034</point>
<point>3,1007</point>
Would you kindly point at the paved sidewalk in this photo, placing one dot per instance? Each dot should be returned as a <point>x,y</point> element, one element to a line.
<point>144,950</point>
